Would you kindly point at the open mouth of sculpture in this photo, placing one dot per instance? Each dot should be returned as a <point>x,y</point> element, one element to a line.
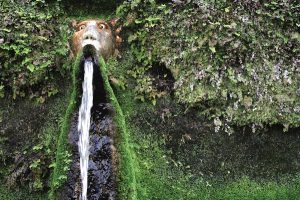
<point>99,94</point>
<point>90,51</point>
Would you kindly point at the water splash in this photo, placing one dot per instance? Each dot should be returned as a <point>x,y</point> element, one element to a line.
<point>84,124</point>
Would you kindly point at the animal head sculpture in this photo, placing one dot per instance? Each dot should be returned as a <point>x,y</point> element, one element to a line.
<point>97,34</point>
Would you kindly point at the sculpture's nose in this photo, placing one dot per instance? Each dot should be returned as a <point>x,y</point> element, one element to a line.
<point>90,33</point>
<point>89,36</point>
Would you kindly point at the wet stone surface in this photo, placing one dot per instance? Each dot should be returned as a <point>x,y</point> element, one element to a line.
<point>101,177</point>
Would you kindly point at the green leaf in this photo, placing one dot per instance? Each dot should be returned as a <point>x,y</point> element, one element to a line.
<point>137,21</point>
<point>154,102</point>
<point>5,30</point>
<point>31,68</point>
<point>23,35</point>
<point>150,19</point>
<point>37,147</point>
<point>1,91</point>
<point>213,49</point>
<point>52,165</point>
<point>42,38</point>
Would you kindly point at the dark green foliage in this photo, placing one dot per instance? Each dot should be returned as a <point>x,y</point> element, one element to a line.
<point>33,41</point>
<point>89,7</point>
<point>238,62</point>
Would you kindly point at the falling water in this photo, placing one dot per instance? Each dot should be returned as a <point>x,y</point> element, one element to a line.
<point>84,124</point>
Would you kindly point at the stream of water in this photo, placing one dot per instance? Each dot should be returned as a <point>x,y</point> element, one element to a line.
<point>84,125</point>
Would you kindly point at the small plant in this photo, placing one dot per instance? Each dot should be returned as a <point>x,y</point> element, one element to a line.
<point>44,154</point>
<point>66,156</point>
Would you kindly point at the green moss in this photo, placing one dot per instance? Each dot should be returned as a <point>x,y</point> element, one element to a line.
<point>159,176</point>
<point>247,189</point>
<point>8,194</point>
<point>47,143</point>
<point>126,177</point>
<point>157,179</point>
<point>63,155</point>
<point>126,168</point>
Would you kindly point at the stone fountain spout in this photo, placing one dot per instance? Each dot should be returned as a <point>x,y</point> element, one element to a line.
<point>95,38</point>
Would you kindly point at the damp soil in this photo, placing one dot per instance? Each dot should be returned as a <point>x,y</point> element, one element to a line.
<point>102,166</point>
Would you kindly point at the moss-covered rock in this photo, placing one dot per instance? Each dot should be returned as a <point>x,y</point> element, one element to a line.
<point>237,62</point>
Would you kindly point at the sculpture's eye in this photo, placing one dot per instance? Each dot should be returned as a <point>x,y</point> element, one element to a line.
<point>102,26</point>
<point>81,27</point>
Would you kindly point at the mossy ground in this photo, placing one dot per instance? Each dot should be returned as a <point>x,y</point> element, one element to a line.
<point>7,194</point>
<point>161,175</point>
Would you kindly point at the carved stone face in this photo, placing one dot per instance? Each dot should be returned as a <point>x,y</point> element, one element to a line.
<point>96,33</point>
